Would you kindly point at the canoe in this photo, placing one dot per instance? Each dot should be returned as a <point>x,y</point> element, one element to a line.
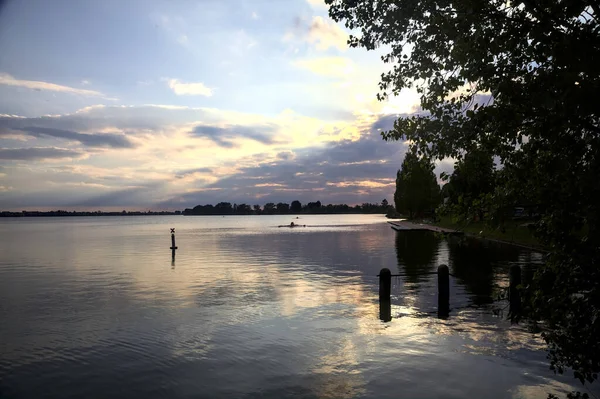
<point>296,225</point>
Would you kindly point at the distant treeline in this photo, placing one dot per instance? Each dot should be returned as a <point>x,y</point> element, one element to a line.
<point>282,208</point>
<point>226,208</point>
<point>84,213</point>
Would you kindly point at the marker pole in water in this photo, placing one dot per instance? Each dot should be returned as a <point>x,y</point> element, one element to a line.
<point>173,246</point>
<point>443,291</point>
<point>385,291</point>
<point>385,284</point>
<point>514,296</point>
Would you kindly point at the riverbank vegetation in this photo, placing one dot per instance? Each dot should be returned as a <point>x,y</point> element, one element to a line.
<point>470,203</point>
<point>282,208</point>
<point>417,190</point>
<point>465,201</point>
<point>514,82</point>
<point>515,232</point>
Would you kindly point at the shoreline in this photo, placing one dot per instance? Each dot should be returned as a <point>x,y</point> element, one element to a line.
<point>451,228</point>
<point>531,248</point>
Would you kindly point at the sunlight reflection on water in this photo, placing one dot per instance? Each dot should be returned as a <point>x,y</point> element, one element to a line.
<point>252,310</point>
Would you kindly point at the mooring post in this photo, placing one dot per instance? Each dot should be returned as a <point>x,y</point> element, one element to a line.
<point>385,284</point>
<point>443,291</point>
<point>514,296</point>
<point>385,292</point>
<point>385,310</point>
<point>173,247</point>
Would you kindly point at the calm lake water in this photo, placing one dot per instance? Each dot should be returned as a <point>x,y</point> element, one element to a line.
<point>97,308</point>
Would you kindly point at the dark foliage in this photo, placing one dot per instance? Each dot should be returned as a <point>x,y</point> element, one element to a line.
<point>519,81</point>
<point>417,190</point>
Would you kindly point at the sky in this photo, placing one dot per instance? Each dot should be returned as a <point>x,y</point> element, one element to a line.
<point>165,104</point>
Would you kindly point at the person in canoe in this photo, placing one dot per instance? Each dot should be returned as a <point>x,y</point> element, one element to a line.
<point>292,224</point>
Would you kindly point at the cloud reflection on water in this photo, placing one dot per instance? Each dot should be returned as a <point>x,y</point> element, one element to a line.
<point>258,312</point>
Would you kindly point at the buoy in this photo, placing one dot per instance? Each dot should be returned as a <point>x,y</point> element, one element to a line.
<point>173,246</point>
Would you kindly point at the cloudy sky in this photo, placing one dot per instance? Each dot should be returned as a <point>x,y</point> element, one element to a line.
<point>165,104</point>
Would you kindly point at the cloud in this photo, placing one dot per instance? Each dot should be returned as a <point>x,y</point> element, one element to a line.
<point>8,80</point>
<point>91,140</point>
<point>350,171</point>
<point>317,3</point>
<point>37,153</point>
<point>124,197</point>
<point>187,172</point>
<point>326,34</point>
<point>260,159</point>
<point>190,89</point>
<point>240,43</point>
<point>100,117</point>
<point>183,40</point>
<point>327,66</point>
<point>385,123</point>
<point>364,183</point>
<point>320,32</point>
<point>286,155</point>
<point>225,136</point>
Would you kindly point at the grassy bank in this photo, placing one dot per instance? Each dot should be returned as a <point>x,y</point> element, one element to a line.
<point>515,232</point>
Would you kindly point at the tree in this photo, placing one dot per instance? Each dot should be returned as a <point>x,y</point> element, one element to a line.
<point>282,207</point>
<point>203,210</point>
<point>223,208</point>
<point>417,190</point>
<point>296,207</point>
<point>469,186</point>
<point>517,80</point>
<point>256,209</point>
<point>313,206</point>
<point>269,208</point>
<point>384,203</point>
<point>243,209</point>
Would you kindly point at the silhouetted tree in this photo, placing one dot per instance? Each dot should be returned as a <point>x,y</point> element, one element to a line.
<point>417,190</point>
<point>223,208</point>
<point>243,209</point>
<point>312,207</point>
<point>296,207</point>
<point>204,210</point>
<point>539,61</point>
<point>282,208</point>
<point>471,185</point>
<point>269,208</point>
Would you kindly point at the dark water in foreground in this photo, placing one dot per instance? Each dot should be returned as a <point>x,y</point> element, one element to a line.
<point>94,307</point>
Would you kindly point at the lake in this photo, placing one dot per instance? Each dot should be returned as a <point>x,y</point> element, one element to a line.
<point>96,307</point>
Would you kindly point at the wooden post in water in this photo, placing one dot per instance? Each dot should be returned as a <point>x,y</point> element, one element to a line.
<point>385,310</point>
<point>173,246</point>
<point>443,291</point>
<point>385,284</point>
<point>385,292</point>
<point>514,296</point>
